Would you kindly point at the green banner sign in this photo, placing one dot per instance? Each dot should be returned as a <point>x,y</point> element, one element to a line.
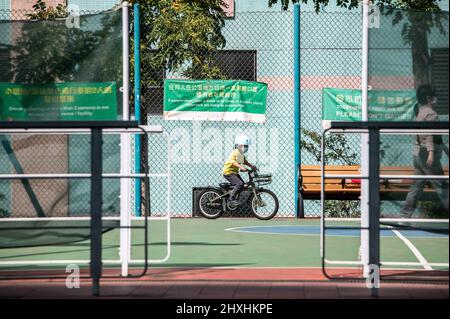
<point>345,105</point>
<point>58,101</point>
<point>215,100</point>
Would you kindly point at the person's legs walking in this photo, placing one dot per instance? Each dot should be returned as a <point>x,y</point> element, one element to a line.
<point>416,189</point>
<point>441,187</point>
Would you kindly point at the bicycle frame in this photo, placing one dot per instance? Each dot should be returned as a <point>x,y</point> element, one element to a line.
<point>250,185</point>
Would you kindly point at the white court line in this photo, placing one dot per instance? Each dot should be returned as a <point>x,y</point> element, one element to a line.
<point>246,230</point>
<point>414,250</point>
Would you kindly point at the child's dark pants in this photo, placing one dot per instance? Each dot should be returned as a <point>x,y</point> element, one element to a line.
<point>237,182</point>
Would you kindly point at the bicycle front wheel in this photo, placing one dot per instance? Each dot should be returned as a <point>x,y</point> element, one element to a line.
<point>264,204</point>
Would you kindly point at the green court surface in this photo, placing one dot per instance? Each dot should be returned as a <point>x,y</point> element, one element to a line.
<point>240,243</point>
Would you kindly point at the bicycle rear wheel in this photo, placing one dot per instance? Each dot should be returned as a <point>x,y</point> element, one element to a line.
<point>210,204</point>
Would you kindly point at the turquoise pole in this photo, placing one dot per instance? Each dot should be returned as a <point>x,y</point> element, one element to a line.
<point>297,114</point>
<point>137,106</point>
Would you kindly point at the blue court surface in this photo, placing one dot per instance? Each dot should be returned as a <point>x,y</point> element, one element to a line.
<point>315,230</point>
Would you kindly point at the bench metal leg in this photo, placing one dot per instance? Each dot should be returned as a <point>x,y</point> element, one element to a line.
<point>301,206</point>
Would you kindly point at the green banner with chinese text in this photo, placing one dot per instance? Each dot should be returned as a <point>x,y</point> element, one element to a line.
<point>384,105</point>
<point>215,100</point>
<point>58,101</point>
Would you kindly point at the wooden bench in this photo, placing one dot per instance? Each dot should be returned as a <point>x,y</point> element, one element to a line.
<point>350,188</point>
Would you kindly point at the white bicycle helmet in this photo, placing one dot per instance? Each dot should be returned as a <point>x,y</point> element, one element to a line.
<point>242,140</point>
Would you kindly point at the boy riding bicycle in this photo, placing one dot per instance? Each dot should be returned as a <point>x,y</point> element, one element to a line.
<point>236,162</point>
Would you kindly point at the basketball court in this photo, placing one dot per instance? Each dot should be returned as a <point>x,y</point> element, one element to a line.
<point>100,202</point>
<point>211,259</point>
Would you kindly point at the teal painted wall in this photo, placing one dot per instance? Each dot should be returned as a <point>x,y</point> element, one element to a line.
<point>96,5</point>
<point>200,148</point>
<point>5,4</point>
<point>327,52</point>
<point>331,57</point>
<point>261,5</point>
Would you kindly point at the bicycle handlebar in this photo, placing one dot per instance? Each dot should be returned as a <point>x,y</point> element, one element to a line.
<point>252,172</point>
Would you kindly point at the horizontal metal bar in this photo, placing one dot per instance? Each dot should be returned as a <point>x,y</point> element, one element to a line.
<point>405,263</point>
<point>160,218</point>
<point>82,131</point>
<point>32,219</point>
<point>415,177</point>
<point>394,125</point>
<point>345,176</point>
<point>68,124</point>
<point>75,176</point>
<point>346,227</point>
<point>133,218</point>
<point>343,262</point>
<point>53,262</point>
<point>386,263</point>
<point>391,131</point>
<point>137,261</point>
<point>66,262</point>
<point>414,220</point>
<point>43,176</point>
<point>415,132</point>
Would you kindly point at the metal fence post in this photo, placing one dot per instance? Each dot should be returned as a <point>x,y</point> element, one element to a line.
<point>137,107</point>
<point>125,149</point>
<point>96,209</point>
<point>299,211</point>
<point>374,205</point>
<point>365,158</point>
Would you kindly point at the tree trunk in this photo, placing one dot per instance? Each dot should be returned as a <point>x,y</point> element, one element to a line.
<point>420,56</point>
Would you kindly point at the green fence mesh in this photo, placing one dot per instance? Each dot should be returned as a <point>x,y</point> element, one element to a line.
<point>47,63</point>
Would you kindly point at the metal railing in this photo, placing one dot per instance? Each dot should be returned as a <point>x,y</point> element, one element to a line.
<point>95,129</point>
<point>374,130</point>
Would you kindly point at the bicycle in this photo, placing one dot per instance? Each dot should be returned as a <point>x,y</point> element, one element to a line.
<point>214,201</point>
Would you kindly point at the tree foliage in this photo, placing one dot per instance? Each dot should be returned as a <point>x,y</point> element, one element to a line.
<point>418,18</point>
<point>423,5</point>
<point>42,12</point>
<point>182,38</point>
<point>337,152</point>
<point>337,148</point>
<point>49,51</point>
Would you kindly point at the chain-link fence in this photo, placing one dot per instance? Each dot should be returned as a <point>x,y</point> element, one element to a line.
<point>406,50</point>
<point>46,62</point>
<point>255,46</point>
<point>330,57</point>
<point>258,46</point>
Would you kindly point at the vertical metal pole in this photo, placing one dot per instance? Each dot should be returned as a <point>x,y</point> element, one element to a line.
<point>96,209</point>
<point>125,150</point>
<point>298,210</point>
<point>322,200</point>
<point>374,208</point>
<point>137,107</point>
<point>365,141</point>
